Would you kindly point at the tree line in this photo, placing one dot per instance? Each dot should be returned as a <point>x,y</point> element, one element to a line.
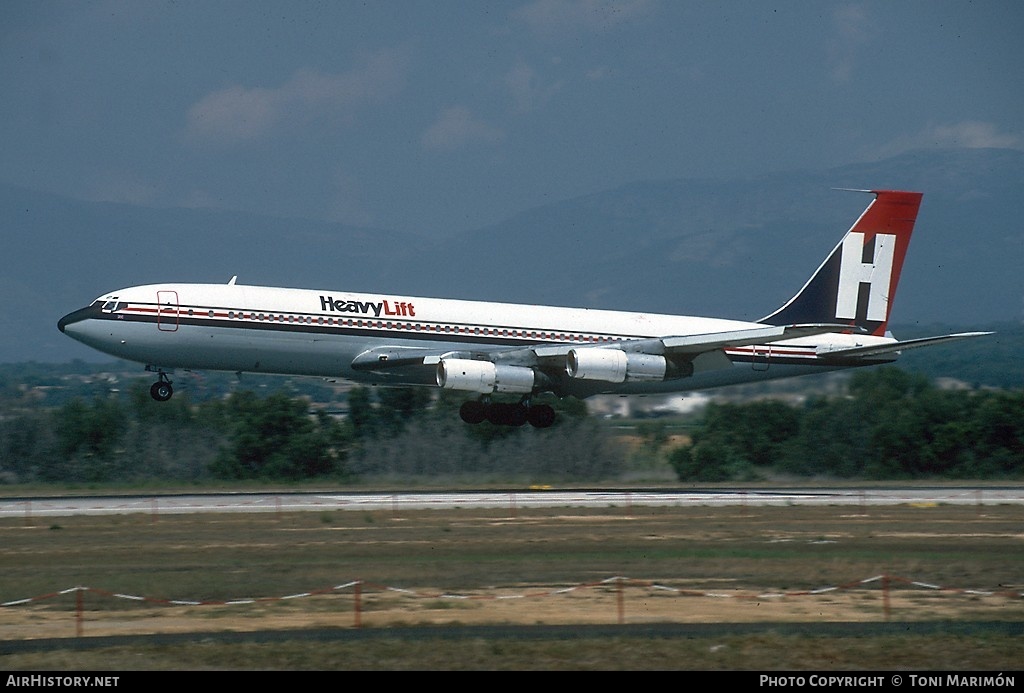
<point>399,433</point>
<point>890,424</point>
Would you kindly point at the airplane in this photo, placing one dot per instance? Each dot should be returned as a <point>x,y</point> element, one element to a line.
<point>838,320</point>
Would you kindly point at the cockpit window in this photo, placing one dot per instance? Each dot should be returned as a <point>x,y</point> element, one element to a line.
<point>112,305</point>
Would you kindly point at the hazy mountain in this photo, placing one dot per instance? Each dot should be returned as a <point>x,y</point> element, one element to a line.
<point>739,248</point>
<point>735,248</point>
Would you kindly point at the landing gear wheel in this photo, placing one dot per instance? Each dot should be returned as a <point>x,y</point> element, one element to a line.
<point>541,416</point>
<point>473,412</point>
<point>503,414</point>
<point>517,415</point>
<point>507,414</point>
<point>161,391</point>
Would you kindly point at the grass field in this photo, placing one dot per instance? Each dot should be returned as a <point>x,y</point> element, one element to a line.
<point>616,565</point>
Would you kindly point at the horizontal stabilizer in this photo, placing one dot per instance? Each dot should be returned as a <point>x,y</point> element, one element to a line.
<point>892,347</point>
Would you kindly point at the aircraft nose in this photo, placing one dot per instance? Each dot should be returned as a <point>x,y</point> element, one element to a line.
<point>73,317</point>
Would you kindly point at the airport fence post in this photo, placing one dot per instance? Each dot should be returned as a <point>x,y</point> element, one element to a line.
<point>885,597</point>
<point>78,612</point>
<point>621,601</point>
<point>357,593</point>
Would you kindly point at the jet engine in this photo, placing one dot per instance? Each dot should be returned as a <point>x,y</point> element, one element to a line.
<point>617,366</point>
<point>484,377</point>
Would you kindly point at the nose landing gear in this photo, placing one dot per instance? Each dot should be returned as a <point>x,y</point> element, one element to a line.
<point>162,389</point>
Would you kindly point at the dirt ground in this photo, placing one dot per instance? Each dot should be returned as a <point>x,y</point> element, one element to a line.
<point>601,605</point>
<point>872,598</point>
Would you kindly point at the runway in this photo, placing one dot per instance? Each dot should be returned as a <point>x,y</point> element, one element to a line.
<point>52,506</point>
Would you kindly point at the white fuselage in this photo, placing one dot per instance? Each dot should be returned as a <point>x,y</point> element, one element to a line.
<point>256,329</point>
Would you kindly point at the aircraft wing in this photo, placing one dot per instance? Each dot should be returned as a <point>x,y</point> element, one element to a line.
<point>697,344</point>
<point>702,343</point>
<point>389,357</point>
<point>553,355</point>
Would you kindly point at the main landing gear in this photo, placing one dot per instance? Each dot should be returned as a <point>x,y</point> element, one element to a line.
<point>507,414</point>
<point>161,390</point>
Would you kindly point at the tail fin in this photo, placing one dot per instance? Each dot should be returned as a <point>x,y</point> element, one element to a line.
<point>856,284</point>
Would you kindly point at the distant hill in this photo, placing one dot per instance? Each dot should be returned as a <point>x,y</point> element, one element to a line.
<point>740,248</point>
<point>734,248</point>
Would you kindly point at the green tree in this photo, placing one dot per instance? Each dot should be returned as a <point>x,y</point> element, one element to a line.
<point>734,440</point>
<point>87,439</point>
<point>28,445</point>
<point>361,412</point>
<point>399,405</point>
<point>998,434</point>
<point>275,438</point>
<point>708,461</point>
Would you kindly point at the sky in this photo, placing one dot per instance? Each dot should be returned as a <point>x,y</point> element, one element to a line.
<point>442,116</point>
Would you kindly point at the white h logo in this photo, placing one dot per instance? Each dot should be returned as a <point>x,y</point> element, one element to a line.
<point>853,272</point>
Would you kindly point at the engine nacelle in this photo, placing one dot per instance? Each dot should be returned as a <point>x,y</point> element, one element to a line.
<point>484,377</point>
<point>617,366</point>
